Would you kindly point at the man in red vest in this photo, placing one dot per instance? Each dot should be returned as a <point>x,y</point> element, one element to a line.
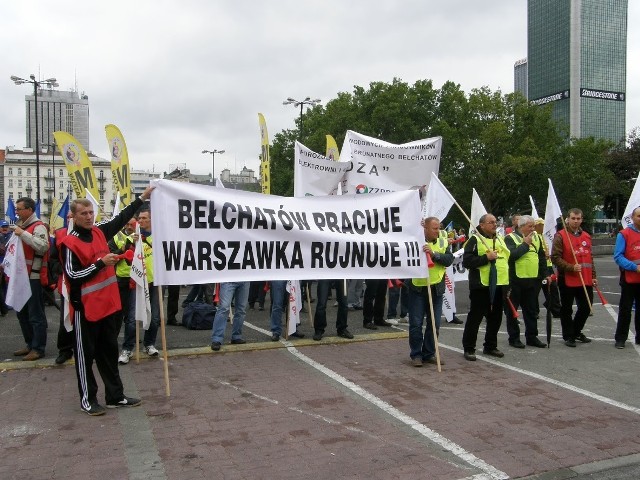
<point>627,256</point>
<point>571,254</point>
<point>95,301</point>
<point>35,241</point>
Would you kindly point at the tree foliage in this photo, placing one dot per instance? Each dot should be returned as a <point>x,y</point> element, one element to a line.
<point>497,143</point>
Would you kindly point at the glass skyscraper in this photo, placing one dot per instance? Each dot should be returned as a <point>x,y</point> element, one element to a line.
<point>577,62</point>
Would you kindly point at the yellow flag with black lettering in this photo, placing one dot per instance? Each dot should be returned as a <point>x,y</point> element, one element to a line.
<point>265,164</point>
<point>79,166</point>
<point>332,149</point>
<point>119,164</point>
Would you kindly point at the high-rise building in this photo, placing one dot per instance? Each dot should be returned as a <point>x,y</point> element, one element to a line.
<point>57,111</point>
<point>521,77</point>
<point>577,61</point>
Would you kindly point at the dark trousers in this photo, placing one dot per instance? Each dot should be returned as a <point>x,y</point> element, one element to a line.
<point>173,297</point>
<point>257,293</point>
<point>572,325</point>
<point>97,341</point>
<point>481,307</point>
<point>630,294</point>
<point>66,340</point>
<point>124,289</point>
<point>525,296</point>
<point>374,299</point>
<point>33,321</point>
<point>320,316</point>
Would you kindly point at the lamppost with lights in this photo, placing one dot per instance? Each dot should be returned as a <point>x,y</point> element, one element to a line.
<point>301,104</point>
<point>50,82</point>
<point>213,162</point>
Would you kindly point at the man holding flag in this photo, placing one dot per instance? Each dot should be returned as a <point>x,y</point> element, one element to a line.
<point>88,268</point>
<point>571,254</point>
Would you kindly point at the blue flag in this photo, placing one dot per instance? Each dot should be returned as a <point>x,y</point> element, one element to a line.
<point>38,209</point>
<point>11,210</point>
<point>64,212</point>
<point>449,227</point>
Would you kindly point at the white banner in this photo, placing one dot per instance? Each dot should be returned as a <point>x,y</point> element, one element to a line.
<point>15,267</point>
<point>295,305</point>
<point>315,174</point>
<point>139,276</point>
<point>551,215</point>
<point>203,234</point>
<point>380,166</point>
<point>449,298</point>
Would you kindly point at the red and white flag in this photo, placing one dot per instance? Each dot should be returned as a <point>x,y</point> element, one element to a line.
<point>139,276</point>
<point>15,267</point>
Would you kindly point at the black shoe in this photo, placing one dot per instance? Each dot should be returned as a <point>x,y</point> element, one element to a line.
<point>370,326</point>
<point>493,352</point>
<point>535,342</point>
<point>215,346</point>
<point>570,343</point>
<point>94,409</point>
<point>63,356</point>
<point>358,307</point>
<point>345,334</point>
<point>620,345</point>
<point>172,321</point>
<point>383,323</point>
<point>297,334</point>
<point>583,339</point>
<point>238,341</point>
<point>457,321</point>
<point>125,402</point>
<point>275,337</point>
<point>317,336</point>
<point>517,343</point>
<point>471,356</point>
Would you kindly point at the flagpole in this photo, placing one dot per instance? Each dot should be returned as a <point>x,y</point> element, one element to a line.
<point>469,220</point>
<point>163,336</point>
<point>433,327</point>
<point>137,338</point>
<point>575,259</point>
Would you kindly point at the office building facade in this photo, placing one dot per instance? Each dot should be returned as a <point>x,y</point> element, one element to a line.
<point>577,62</point>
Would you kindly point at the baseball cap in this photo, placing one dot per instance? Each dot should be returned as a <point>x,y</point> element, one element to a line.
<point>4,223</point>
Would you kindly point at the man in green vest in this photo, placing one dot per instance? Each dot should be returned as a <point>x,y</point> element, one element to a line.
<point>527,262</point>
<point>439,257</point>
<point>487,258</point>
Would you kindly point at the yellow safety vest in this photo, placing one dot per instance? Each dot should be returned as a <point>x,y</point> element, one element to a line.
<point>527,265</point>
<point>148,257</point>
<point>502,262</point>
<point>123,269</point>
<point>436,273</point>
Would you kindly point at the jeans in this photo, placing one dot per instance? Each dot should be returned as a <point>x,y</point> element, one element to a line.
<point>423,346</point>
<point>354,292</point>
<point>278,295</point>
<point>129,311</point>
<point>152,332</point>
<point>33,321</point>
<point>229,291</point>
<point>320,316</point>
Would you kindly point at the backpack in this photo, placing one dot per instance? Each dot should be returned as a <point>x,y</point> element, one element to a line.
<point>198,316</point>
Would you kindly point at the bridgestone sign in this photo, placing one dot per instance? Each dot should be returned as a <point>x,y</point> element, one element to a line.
<point>602,94</point>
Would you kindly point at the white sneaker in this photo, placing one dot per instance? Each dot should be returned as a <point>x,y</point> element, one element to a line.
<point>392,321</point>
<point>151,350</point>
<point>124,357</point>
<point>404,320</point>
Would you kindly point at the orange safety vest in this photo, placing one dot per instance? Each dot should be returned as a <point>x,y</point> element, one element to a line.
<point>100,295</point>
<point>632,253</point>
<point>582,247</point>
<point>30,254</point>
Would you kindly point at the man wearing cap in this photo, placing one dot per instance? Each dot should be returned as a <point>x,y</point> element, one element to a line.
<point>5,235</point>
<point>35,241</point>
<point>627,256</point>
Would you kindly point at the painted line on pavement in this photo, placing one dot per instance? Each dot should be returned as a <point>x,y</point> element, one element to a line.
<point>586,393</point>
<point>425,431</point>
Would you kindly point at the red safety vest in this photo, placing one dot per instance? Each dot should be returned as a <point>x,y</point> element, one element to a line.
<point>631,252</point>
<point>30,254</point>
<point>100,295</point>
<point>582,247</point>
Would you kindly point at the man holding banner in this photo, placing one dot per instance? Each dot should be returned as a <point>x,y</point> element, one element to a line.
<point>89,270</point>
<point>571,254</point>
<point>438,251</point>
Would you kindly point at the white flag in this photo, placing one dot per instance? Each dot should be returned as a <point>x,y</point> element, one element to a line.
<point>534,212</point>
<point>66,306</point>
<point>477,210</point>
<point>15,267</point>
<point>295,305</point>
<point>94,202</point>
<point>634,202</point>
<point>139,276</point>
<point>116,208</point>
<point>449,297</point>
<point>438,201</point>
<point>219,183</point>
<point>551,214</point>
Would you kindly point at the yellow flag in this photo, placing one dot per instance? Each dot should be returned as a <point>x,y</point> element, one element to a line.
<point>55,221</point>
<point>332,149</point>
<point>265,165</point>
<point>119,164</point>
<point>79,166</point>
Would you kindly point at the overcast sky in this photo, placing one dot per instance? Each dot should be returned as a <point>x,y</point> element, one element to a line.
<point>182,77</point>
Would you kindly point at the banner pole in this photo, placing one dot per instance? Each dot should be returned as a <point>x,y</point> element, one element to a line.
<point>433,327</point>
<point>163,336</point>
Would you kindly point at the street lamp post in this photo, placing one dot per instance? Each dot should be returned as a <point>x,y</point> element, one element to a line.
<point>213,162</point>
<point>50,82</point>
<point>301,104</point>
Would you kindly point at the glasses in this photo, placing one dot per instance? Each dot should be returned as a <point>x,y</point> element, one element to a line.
<point>20,209</point>
<point>491,223</point>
